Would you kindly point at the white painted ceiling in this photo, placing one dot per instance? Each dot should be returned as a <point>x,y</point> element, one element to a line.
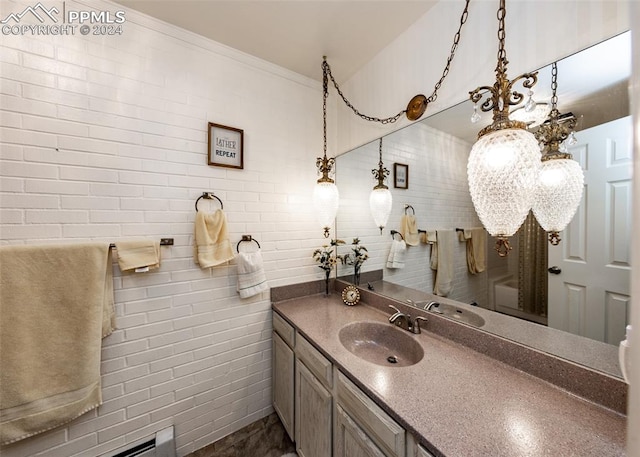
<point>294,34</point>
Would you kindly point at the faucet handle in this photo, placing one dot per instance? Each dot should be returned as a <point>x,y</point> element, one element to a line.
<point>430,305</point>
<point>394,308</point>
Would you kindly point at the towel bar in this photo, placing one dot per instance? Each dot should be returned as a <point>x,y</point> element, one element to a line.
<point>163,242</point>
<point>406,207</point>
<point>246,238</point>
<point>395,232</point>
<point>208,196</point>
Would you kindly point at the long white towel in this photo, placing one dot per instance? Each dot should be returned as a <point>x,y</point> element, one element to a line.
<point>56,305</point>
<point>443,283</point>
<point>251,277</point>
<point>397,254</point>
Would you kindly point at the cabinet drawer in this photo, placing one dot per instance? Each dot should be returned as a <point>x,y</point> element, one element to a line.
<point>318,364</point>
<point>284,329</point>
<point>386,432</point>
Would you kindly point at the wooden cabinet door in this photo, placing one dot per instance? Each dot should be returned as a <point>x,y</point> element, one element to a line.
<point>422,452</point>
<point>351,440</point>
<point>283,376</point>
<point>313,415</point>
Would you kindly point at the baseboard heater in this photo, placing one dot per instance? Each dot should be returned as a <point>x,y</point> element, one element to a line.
<point>161,445</point>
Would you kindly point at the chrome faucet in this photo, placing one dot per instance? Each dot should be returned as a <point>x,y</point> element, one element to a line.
<point>413,325</point>
<point>430,307</point>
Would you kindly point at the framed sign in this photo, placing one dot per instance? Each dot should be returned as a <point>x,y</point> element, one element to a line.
<point>400,176</point>
<point>225,146</point>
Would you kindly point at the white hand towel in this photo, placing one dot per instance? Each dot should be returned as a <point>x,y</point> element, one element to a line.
<point>251,277</point>
<point>444,274</point>
<point>397,254</point>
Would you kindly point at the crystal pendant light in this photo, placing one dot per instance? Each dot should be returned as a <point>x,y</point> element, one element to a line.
<point>504,163</point>
<point>325,194</point>
<point>561,181</point>
<point>380,199</point>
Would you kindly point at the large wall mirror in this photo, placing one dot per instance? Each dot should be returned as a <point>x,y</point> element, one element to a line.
<point>589,298</point>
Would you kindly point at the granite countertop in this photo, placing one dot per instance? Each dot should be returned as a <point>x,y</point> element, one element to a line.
<point>459,402</point>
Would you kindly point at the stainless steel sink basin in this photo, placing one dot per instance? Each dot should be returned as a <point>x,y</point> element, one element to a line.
<point>459,314</point>
<point>381,343</point>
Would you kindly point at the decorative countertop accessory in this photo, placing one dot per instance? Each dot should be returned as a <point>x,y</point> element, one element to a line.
<point>350,295</point>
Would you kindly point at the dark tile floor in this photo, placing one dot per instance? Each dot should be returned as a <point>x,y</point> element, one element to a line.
<point>263,438</point>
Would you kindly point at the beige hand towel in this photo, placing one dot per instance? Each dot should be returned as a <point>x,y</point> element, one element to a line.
<point>212,246</point>
<point>409,230</point>
<point>138,254</point>
<point>464,234</point>
<point>444,274</point>
<point>476,250</point>
<point>56,303</point>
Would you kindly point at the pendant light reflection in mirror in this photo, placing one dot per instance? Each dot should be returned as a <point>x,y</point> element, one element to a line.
<point>561,180</point>
<point>380,200</point>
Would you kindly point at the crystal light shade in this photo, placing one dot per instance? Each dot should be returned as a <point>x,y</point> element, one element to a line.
<point>502,170</point>
<point>325,201</point>
<point>558,193</point>
<point>380,203</point>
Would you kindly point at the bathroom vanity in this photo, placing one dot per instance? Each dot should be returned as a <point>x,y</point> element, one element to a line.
<point>337,396</point>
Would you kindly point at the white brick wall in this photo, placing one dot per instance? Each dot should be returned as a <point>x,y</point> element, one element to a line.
<point>106,138</point>
<point>437,191</point>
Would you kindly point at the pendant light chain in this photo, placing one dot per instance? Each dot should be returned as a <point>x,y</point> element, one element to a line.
<point>324,165</point>
<point>502,12</point>
<point>381,173</point>
<point>554,86</point>
<point>325,94</point>
<point>456,39</point>
<point>418,104</point>
<point>388,120</point>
